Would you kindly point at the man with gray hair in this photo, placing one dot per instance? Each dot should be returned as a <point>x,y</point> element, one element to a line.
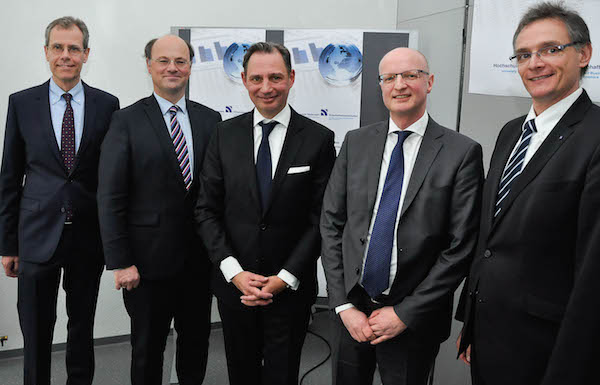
<point>530,303</point>
<point>48,211</point>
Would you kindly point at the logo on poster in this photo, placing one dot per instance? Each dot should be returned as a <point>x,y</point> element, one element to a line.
<point>233,60</point>
<point>340,64</point>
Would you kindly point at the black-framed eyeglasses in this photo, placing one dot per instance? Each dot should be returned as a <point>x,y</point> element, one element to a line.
<point>407,76</point>
<point>546,52</point>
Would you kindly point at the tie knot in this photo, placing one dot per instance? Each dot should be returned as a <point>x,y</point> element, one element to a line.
<point>173,110</point>
<point>67,96</point>
<point>530,126</point>
<point>402,135</point>
<point>267,127</point>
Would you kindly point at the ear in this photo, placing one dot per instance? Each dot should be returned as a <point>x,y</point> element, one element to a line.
<point>292,78</point>
<point>244,79</point>
<point>585,55</point>
<point>430,83</point>
<point>86,53</point>
<point>46,53</point>
<point>148,65</point>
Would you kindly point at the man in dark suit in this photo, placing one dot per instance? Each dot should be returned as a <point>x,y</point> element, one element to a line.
<point>48,211</point>
<point>152,156</point>
<point>258,212</point>
<point>399,226</point>
<point>531,313</point>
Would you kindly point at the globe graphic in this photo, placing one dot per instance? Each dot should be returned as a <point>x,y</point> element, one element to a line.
<point>233,60</point>
<point>340,64</point>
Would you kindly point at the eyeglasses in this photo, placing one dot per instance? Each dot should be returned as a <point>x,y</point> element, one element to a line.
<point>407,76</point>
<point>58,49</point>
<point>546,52</point>
<point>180,64</point>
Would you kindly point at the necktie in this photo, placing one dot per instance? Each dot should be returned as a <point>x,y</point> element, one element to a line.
<point>263,163</point>
<point>181,150</point>
<point>67,146</point>
<point>376,274</point>
<point>67,136</point>
<point>514,167</point>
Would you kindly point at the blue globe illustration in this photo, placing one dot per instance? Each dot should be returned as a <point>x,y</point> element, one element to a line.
<point>340,64</point>
<point>233,60</point>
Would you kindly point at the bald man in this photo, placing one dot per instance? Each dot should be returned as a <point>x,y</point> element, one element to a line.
<point>148,182</point>
<point>399,226</point>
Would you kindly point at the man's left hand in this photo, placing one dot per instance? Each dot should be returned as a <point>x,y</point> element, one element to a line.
<point>274,285</point>
<point>385,324</point>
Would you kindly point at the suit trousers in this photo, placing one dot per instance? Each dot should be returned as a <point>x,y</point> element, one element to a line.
<point>263,345</point>
<point>406,359</point>
<point>37,296</point>
<point>152,306</point>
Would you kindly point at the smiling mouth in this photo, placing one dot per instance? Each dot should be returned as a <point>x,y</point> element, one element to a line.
<point>540,77</point>
<point>401,96</point>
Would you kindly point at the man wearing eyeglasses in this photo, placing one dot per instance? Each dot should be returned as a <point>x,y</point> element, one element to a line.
<point>531,303</point>
<point>48,211</point>
<point>399,226</point>
<point>149,168</point>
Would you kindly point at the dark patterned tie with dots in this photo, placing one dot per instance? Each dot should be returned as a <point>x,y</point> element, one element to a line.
<point>67,144</point>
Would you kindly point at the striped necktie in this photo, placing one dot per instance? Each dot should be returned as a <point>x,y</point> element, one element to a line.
<point>514,167</point>
<point>183,157</point>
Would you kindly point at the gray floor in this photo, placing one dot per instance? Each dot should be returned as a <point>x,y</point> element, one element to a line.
<point>112,361</point>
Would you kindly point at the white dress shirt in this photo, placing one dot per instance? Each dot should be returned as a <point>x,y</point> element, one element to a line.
<point>58,106</point>
<point>410,149</point>
<point>184,122</point>
<point>544,123</point>
<point>230,266</point>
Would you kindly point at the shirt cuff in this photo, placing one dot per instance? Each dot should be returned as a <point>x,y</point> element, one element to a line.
<point>289,278</point>
<point>343,307</point>
<point>230,267</point>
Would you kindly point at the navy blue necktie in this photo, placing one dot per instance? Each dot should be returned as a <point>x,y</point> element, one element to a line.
<point>514,167</point>
<point>376,274</point>
<point>263,163</point>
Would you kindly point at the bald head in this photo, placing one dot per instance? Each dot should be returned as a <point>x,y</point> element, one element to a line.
<point>404,55</point>
<point>167,40</point>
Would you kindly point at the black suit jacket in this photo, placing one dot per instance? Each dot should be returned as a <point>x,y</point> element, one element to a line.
<point>146,213</point>
<point>437,230</point>
<point>286,235</point>
<point>35,187</point>
<point>533,287</point>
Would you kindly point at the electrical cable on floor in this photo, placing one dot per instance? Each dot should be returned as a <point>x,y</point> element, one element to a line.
<point>322,361</point>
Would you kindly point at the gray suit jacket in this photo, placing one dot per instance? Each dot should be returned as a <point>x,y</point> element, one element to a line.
<point>438,225</point>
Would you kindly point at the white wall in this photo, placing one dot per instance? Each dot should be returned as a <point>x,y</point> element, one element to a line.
<point>119,29</point>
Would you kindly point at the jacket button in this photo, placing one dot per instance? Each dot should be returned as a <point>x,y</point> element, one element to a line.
<point>400,250</point>
<point>357,271</point>
<point>362,241</point>
<point>487,253</point>
<point>263,226</point>
<point>62,210</point>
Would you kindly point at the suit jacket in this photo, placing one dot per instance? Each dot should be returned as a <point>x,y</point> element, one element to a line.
<point>146,213</point>
<point>533,286</point>
<point>35,187</point>
<point>286,234</point>
<point>437,230</point>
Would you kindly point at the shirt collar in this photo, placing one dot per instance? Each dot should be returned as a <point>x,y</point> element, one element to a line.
<point>56,92</point>
<point>546,121</point>
<point>283,117</point>
<point>417,127</point>
<point>164,104</point>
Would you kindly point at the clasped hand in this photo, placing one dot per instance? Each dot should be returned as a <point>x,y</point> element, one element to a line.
<point>382,325</point>
<point>258,290</point>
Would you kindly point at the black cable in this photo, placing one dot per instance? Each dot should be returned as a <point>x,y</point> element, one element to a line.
<point>322,361</point>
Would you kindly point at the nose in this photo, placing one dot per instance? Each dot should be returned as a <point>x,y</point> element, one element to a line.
<point>399,82</point>
<point>171,67</point>
<point>266,86</point>
<point>535,61</point>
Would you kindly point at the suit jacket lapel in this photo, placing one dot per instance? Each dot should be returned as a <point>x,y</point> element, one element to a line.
<point>291,144</point>
<point>89,117</point>
<point>375,157</point>
<point>197,139</point>
<point>247,163</point>
<point>430,147</point>
<point>157,122</point>
<point>43,112</point>
<point>559,135</point>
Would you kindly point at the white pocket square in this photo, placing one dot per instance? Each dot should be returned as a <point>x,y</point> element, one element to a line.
<point>298,170</point>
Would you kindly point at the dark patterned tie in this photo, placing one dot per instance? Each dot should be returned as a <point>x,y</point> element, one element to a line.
<point>67,146</point>
<point>514,167</point>
<point>263,163</point>
<point>376,275</point>
<point>181,150</point>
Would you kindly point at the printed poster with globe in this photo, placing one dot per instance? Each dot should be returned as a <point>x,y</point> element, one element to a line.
<point>216,81</point>
<point>328,65</point>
